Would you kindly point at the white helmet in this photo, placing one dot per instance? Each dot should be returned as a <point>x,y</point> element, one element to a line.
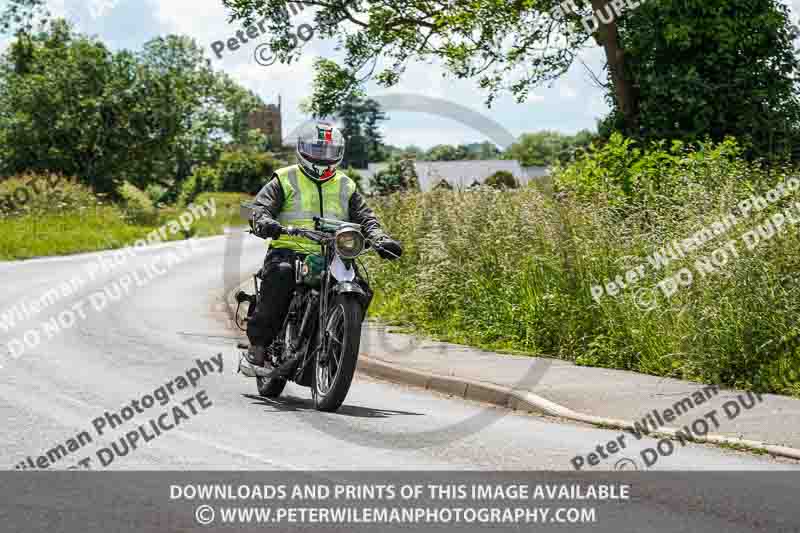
<point>320,149</point>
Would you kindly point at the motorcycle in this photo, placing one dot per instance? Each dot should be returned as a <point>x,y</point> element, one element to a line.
<point>319,340</point>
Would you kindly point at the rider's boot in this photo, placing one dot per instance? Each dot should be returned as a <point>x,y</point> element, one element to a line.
<point>256,355</point>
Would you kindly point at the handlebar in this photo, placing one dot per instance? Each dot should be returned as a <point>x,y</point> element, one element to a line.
<point>312,235</point>
<point>325,226</point>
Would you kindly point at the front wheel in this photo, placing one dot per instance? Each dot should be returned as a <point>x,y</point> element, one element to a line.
<point>335,363</point>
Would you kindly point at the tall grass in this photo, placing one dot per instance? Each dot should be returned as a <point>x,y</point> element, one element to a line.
<point>514,271</point>
<point>91,230</point>
<point>60,216</point>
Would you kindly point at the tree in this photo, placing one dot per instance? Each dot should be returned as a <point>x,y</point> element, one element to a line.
<point>56,112</point>
<point>352,118</point>
<point>510,46</point>
<point>203,109</point>
<point>22,16</point>
<point>713,68</point>
<point>652,49</point>
<point>535,149</point>
<point>360,117</point>
<point>400,175</point>
<point>374,115</point>
<point>445,152</point>
<point>474,151</point>
<point>482,151</point>
<point>68,104</point>
<point>546,147</point>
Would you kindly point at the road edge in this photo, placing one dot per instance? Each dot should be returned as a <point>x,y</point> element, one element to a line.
<point>527,401</point>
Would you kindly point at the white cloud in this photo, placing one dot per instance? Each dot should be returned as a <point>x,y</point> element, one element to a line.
<point>566,92</point>
<point>205,20</point>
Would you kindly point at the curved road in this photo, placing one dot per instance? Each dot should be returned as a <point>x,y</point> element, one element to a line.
<point>127,348</point>
<point>156,331</point>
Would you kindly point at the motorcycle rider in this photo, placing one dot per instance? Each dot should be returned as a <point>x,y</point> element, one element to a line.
<point>294,195</point>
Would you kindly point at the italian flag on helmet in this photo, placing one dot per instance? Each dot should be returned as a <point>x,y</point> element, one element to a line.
<point>320,149</point>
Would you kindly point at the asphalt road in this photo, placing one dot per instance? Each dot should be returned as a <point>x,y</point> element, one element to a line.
<point>127,348</point>
<point>102,353</point>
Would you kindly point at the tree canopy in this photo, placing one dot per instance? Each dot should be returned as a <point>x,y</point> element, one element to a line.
<point>544,148</point>
<point>686,68</point>
<point>713,68</point>
<point>68,104</point>
<point>504,46</point>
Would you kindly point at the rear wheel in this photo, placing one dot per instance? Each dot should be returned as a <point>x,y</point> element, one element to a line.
<point>335,364</point>
<point>272,388</point>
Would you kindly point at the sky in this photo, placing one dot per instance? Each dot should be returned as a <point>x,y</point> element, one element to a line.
<point>571,103</point>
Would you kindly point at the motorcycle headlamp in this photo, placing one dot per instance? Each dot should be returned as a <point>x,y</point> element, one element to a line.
<point>349,243</point>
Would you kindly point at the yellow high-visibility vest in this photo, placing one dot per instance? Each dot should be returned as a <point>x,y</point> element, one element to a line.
<point>305,198</point>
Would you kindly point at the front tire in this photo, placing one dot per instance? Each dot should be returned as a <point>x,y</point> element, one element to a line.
<point>334,369</point>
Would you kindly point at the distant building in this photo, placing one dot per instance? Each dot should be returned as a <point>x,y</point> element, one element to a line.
<point>461,174</point>
<point>268,120</point>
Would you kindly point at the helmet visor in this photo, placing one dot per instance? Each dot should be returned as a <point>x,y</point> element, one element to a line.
<point>323,153</point>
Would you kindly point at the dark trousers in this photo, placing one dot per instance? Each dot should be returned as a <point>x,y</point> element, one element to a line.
<point>277,287</point>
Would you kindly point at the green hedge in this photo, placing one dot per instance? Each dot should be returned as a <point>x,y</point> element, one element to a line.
<point>515,270</point>
<point>237,171</point>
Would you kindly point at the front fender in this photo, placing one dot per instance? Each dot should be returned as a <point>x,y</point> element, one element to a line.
<point>349,287</point>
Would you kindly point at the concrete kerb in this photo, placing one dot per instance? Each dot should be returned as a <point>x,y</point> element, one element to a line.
<point>525,400</point>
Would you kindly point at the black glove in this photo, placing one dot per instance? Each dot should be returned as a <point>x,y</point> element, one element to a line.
<point>389,248</point>
<point>267,228</point>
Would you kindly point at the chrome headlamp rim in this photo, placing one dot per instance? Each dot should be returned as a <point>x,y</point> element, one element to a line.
<point>351,253</point>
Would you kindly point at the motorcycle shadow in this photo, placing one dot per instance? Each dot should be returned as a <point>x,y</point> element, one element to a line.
<point>289,403</point>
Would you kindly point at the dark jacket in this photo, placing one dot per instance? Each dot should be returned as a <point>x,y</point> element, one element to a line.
<point>270,200</point>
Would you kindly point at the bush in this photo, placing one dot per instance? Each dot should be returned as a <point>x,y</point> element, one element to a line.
<point>659,176</point>
<point>238,171</point>
<point>515,271</point>
<point>39,194</point>
<point>444,185</point>
<point>398,176</point>
<point>245,171</point>
<point>158,194</point>
<point>502,179</point>
<point>203,179</point>
<point>137,206</point>
<point>356,176</point>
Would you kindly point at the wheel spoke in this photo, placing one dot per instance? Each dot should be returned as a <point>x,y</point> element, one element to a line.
<point>334,351</point>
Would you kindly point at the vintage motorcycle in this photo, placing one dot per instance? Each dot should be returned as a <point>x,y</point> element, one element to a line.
<point>319,341</point>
